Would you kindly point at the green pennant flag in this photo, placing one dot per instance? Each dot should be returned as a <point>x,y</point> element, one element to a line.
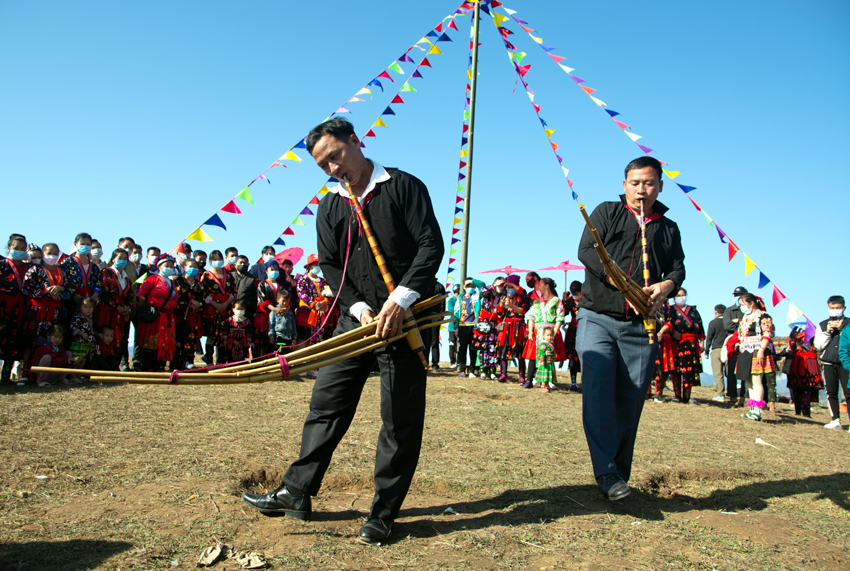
<point>245,195</point>
<point>454,250</point>
<point>459,187</point>
<point>520,56</point>
<point>396,68</point>
<point>466,115</point>
<point>297,222</point>
<point>407,87</point>
<point>141,278</point>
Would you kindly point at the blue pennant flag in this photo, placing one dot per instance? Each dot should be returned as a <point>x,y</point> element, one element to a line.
<point>763,281</point>
<point>575,196</point>
<point>458,209</point>
<point>215,221</point>
<point>432,34</point>
<point>444,38</point>
<point>279,242</point>
<point>302,144</point>
<point>333,180</point>
<point>686,188</point>
<point>388,111</point>
<point>376,82</point>
<point>485,9</point>
<point>611,113</point>
<point>548,48</point>
<point>450,270</point>
<point>542,122</point>
<point>463,141</point>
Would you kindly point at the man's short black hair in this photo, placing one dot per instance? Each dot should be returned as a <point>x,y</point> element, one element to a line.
<point>720,308</point>
<point>642,163</point>
<point>338,128</point>
<point>199,253</point>
<point>124,239</point>
<point>154,249</point>
<point>269,250</point>
<point>231,249</point>
<point>241,257</point>
<point>836,299</point>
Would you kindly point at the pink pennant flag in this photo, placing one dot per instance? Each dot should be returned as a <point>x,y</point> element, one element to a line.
<point>342,110</point>
<point>558,59</point>
<point>778,296</point>
<point>695,204</point>
<point>231,208</point>
<point>622,125</point>
<point>261,177</point>
<point>387,75</point>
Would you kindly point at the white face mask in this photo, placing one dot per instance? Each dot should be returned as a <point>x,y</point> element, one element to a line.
<point>836,313</point>
<point>239,312</point>
<point>182,257</point>
<point>51,259</point>
<point>151,260</point>
<point>96,253</point>
<point>681,300</point>
<point>267,257</point>
<point>135,258</point>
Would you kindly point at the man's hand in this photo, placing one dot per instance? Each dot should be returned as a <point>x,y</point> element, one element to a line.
<point>278,311</point>
<point>658,294</point>
<point>389,320</point>
<point>367,317</point>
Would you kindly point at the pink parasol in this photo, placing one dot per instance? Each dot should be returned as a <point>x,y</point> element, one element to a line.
<point>564,267</point>
<point>291,254</point>
<point>507,270</point>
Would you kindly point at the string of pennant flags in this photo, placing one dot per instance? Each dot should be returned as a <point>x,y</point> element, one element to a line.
<point>458,216</point>
<point>795,315</point>
<point>435,35</point>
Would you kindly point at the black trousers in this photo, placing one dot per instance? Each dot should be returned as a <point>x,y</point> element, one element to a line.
<point>464,341</point>
<point>333,404</point>
<point>834,375</point>
<point>731,379</point>
<point>435,349</point>
<point>453,347</point>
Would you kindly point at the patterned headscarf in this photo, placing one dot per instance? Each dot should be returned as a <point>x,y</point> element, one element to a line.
<point>162,258</point>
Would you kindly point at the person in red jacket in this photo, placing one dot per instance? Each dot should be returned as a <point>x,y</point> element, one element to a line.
<point>53,354</point>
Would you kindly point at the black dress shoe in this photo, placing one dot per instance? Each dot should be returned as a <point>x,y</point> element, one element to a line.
<point>375,530</point>
<point>613,487</point>
<point>280,502</point>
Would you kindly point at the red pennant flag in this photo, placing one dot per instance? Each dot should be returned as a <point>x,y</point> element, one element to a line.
<point>462,164</point>
<point>397,99</point>
<point>733,249</point>
<point>439,27</point>
<point>569,182</point>
<point>778,296</point>
<point>453,25</point>
<point>458,199</point>
<point>493,4</point>
<point>387,75</point>
<point>465,128</point>
<point>523,69</point>
<point>696,206</point>
<point>315,200</point>
<point>452,260</point>
<point>455,231</point>
<point>231,208</point>
<point>180,248</point>
<point>537,108</point>
<point>554,146</point>
<point>369,133</point>
<point>425,60</point>
<point>558,59</point>
<point>288,232</point>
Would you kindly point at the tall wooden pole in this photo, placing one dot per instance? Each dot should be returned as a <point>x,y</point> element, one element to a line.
<point>464,247</point>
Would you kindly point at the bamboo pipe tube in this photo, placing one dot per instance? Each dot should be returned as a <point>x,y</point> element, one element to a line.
<point>233,379</point>
<point>413,336</point>
<point>648,321</point>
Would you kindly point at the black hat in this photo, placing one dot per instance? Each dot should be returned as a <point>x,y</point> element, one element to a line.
<point>740,290</point>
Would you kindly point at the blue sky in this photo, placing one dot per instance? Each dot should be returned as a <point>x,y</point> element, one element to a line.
<point>146,118</point>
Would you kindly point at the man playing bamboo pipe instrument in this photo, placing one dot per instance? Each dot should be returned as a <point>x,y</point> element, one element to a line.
<point>398,209</point>
<point>617,358</point>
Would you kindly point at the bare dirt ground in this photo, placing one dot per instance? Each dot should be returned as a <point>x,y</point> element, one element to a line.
<point>136,477</point>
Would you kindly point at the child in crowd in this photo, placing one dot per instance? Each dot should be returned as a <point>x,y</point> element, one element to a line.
<point>105,356</point>
<point>51,353</point>
<point>545,375</point>
<point>238,334</point>
<point>282,324</point>
<point>82,330</point>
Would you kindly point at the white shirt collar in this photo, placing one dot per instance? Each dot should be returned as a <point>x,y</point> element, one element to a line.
<point>379,174</point>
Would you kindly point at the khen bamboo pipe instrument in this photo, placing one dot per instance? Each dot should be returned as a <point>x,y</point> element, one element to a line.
<point>413,336</point>
<point>648,322</point>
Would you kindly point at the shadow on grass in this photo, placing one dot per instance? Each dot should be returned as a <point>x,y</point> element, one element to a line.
<point>72,555</point>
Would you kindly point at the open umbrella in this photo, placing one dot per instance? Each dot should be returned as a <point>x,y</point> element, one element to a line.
<point>563,266</point>
<point>507,270</point>
<point>291,254</point>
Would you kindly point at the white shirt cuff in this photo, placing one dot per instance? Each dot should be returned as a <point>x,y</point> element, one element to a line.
<point>404,297</point>
<point>358,308</point>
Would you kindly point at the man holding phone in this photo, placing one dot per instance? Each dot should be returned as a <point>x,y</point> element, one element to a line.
<point>826,342</point>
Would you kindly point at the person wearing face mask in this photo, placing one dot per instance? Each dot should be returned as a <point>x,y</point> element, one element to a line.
<point>231,256</point>
<point>513,306</point>
<point>267,291</point>
<point>118,301</point>
<point>531,280</point>
<point>136,260</point>
<point>755,358</point>
<point>13,304</point>
<point>45,285</point>
<point>129,245</point>
<point>246,287</point>
<point>689,335</point>
<point>157,339</point>
<point>546,311</point>
<point>571,301</point>
<point>151,256</point>
<point>219,289</point>
<point>201,259</point>
<point>827,341</point>
<point>312,304</point>
<point>466,311</point>
<point>451,302</point>
<point>96,253</point>
<point>486,334</point>
<point>82,274</point>
<point>187,318</point>
<point>731,318</point>
<point>257,269</point>
<point>239,333</point>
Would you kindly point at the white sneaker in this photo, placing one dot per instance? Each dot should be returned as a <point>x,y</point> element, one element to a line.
<point>454,366</point>
<point>471,375</point>
<point>834,424</point>
<point>492,377</point>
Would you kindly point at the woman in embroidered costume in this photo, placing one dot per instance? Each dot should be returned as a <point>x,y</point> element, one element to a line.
<point>545,375</point>
<point>267,291</point>
<point>13,303</point>
<point>547,311</point>
<point>487,343</point>
<point>571,300</point>
<point>82,276</point>
<point>46,286</point>
<point>803,372</point>
<point>118,300</point>
<point>312,304</point>
<point>755,331</point>
<point>688,334</point>
<point>239,330</point>
<point>157,338</point>
<point>665,359</point>
<point>511,310</point>
<point>218,288</point>
<point>187,318</point>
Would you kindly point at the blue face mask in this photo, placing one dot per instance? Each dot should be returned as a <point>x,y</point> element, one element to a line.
<point>317,271</point>
<point>120,264</point>
<point>83,250</point>
<point>273,275</point>
<point>218,264</point>
<point>511,292</point>
<point>167,272</point>
<point>191,272</point>
<point>18,255</point>
<point>232,260</point>
<point>470,290</point>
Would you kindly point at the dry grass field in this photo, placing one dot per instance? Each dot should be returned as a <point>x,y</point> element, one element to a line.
<point>136,477</point>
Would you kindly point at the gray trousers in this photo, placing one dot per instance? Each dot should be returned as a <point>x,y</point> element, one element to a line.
<point>617,363</point>
<point>717,370</point>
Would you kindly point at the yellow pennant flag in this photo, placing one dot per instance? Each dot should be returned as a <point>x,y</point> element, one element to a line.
<point>291,156</point>
<point>380,123</point>
<point>499,19</point>
<point>749,265</point>
<point>324,190</point>
<point>538,40</point>
<point>363,92</point>
<point>462,153</point>
<point>599,101</point>
<point>434,50</point>
<point>549,132</point>
<point>458,221</point>
<point>672,174</point>
<point>580,204</point>
<point>199,235</point>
